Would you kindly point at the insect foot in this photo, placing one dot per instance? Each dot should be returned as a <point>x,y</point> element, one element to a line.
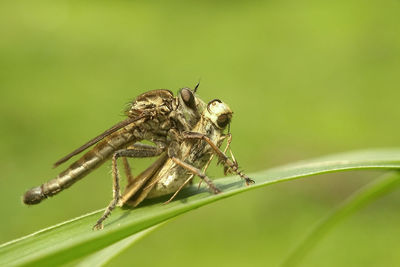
<point>216,190</point>
<point>98,226</point>
<point>249,181</point>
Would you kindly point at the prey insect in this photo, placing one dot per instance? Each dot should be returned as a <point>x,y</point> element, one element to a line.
<point>169,123</point>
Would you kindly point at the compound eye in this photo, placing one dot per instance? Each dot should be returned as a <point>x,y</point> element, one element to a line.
<point>188,98</point>
<point>223,120</point>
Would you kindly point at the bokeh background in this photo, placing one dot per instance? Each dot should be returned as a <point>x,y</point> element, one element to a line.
<point>304,78</point>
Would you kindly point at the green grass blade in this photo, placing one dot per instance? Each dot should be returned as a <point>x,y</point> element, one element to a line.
<point>74,239</point>
<point>103,256</point>
<point>357,200</point>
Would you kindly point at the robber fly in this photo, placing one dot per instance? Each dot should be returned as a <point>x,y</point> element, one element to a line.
<point>187,154</point>
<point>156,116</point>
<point>150,117</point>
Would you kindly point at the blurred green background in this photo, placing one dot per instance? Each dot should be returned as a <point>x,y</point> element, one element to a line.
<point>304,78</point>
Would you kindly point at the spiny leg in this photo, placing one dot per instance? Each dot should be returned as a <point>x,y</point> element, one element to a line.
<point>134,152</point>
<point>226,168</point>
<point>228,143</point>
<point>188,180</point>
<point>143,148</point>
<point>139,150</point>
<point>116,194</point>
<point>223,158</point>
<point>228,146</point>
<point>173,151</point>
<point>205,168</point>
<point>127,169</point>
<point>197,172</point>
<point>229,140</point>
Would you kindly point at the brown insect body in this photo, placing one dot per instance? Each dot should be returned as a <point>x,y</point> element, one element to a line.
<point>186,131</point>
<point>149,120</point>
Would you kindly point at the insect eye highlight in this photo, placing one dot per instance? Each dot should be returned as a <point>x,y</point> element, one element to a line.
<point>188,98</point>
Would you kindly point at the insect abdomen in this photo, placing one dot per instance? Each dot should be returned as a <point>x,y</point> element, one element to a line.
<point>88,162</point>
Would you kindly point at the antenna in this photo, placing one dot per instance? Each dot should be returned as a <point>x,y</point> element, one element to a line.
<point>197,86</point>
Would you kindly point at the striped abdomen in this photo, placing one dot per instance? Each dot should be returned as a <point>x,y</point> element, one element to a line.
<point>88,162</point>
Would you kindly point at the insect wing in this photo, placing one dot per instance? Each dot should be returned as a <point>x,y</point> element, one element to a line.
<point>138,189</point>
<point>98,138</point>
<point>141,108</point>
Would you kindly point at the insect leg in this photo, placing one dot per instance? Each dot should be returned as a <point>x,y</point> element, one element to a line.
<point>127,169</point>
<point>190,178</point>
<point>179,189</point>
<point>197,172</point>
<point>228,143</point>
<point>138,147</point>
<point>223,158</point>
<point>135,152</point>
<point>228,146</point>
<point>173,154</point>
